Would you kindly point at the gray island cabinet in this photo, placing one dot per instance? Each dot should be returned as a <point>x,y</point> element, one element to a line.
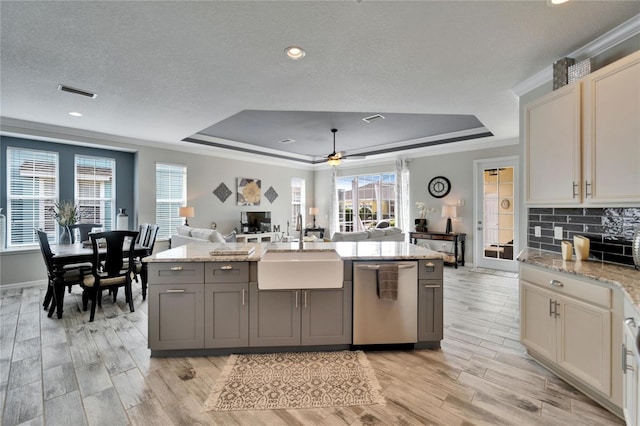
<point>201,304</point>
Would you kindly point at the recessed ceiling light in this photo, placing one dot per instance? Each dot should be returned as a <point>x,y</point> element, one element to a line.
<point>556,2</point>
<point>294,52</point>
<point>75,114</point>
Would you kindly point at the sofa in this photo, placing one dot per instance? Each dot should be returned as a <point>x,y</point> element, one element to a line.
<point>187,234</point>
<point>391,233</point>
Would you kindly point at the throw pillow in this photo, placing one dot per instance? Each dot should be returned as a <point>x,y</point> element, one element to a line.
<point>392,230</point>
<point>185,231</point>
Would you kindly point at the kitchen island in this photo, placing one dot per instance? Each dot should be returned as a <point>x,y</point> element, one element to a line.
<point>205,304</point>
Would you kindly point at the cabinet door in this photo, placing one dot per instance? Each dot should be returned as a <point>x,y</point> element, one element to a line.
<point>176,316</point>
<point>274,318</point>
<point>537,321</point>
<point>430,321</point>
<point>612,132</point>
<point>584,342</point>
<point>226,315</point>
<point>553,144</point>
<point>326,316</point>
<point>630,368</point>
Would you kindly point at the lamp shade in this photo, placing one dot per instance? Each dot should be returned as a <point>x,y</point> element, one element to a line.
<point>449,211</point>
<point>186,212</point>
<point>314,211</point>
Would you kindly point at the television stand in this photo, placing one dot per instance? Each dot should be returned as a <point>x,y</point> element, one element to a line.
<point>257,237</point>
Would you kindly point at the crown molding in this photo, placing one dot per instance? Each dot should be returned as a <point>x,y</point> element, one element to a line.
<point>622,32</point>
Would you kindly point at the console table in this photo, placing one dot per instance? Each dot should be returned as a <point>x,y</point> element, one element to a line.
<point>256,238</point>
<point>443,236</point>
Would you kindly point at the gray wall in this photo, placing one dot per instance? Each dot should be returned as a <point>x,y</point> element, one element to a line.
<point>457,167</point>
<point>205,173</point>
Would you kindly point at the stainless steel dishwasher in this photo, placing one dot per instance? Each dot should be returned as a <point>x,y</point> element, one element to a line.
<point>377,321</point>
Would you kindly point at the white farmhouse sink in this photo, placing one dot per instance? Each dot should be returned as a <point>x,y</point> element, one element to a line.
<point>281,269</point>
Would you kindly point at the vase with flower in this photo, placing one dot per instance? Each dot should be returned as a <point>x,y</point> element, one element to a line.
<point>65,213</point>
<point>421,222</point>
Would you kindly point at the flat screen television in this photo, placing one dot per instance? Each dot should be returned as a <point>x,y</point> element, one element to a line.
<point>253,222</point>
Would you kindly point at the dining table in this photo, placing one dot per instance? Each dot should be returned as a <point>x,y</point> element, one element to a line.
<point>69,254</point>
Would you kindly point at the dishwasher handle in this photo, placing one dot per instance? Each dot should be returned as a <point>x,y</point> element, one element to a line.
<point>376,267</point>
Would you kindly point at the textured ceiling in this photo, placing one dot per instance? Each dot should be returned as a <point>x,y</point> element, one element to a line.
<point>165,71</point>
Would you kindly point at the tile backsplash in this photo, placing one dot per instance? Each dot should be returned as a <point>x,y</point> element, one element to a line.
<point>610,230</point>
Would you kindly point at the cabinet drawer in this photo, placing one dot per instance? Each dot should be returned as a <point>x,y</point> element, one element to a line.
<point>226,272</point>
<point>563,284</point>
<point>176,273</point>
<point>430,269</point>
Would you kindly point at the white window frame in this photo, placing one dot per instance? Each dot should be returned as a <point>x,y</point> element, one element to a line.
<point>298,202</point>
<point>44,219</point>
<point>109,215</point>
<point>168,218</point>
<point>355,224</point>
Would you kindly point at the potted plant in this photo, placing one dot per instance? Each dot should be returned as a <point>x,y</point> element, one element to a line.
<point>65,213</point>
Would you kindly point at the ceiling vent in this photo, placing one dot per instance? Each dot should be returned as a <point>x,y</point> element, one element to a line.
<point>287,141</point>
<point>373,118</point>
<point>75,91</point>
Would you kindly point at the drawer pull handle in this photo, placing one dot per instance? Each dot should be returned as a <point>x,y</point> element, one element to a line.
<point>226,267</point>
<point>176,290</point>
<point>631,322</point>
<point>177,268</point>
<point>431,286</point>
<point>243,297</point>
<point>556,283</point>
<point>430,265</point>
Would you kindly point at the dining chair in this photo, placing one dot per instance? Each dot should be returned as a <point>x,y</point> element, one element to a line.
<point>72,275</point>
<point>84,229</point>
<point>149,241</point>
<point>113,271</point>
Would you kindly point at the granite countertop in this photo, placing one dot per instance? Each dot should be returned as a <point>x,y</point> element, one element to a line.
<point>363,250</point>
<point>625,277</point>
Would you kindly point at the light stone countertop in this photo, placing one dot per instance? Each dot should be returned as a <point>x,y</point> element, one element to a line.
<point>625,277</point>
<point>362,250</point>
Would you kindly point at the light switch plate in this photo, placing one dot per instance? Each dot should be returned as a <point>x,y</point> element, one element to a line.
<point>537,231</point>
<point>557,232</point>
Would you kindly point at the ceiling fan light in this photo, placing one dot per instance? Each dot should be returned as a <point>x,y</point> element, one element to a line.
<point>333,161</point>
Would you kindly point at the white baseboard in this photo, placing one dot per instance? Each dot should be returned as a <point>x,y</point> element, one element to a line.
<point>39,283</point>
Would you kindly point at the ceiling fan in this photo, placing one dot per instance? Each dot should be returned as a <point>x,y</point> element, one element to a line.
<point>335,158</point>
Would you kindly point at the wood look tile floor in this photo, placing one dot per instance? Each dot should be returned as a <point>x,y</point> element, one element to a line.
<point>72,372</point>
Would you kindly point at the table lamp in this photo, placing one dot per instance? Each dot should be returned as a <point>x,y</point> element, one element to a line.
<point>449,212</point>
<point>186,212</point>
<point>314,211</point>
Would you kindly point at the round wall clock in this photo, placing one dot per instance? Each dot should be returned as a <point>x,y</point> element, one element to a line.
<point>439,186</point>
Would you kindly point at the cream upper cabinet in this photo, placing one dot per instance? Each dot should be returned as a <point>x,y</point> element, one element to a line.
<point>553,146</point>
<point>582,142</point>
<point>611,123</point>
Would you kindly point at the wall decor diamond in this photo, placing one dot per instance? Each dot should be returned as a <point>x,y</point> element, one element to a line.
<point>271,194</point>
<point>222,192</point>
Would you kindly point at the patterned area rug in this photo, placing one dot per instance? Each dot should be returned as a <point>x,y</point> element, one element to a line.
<point>295,380</point>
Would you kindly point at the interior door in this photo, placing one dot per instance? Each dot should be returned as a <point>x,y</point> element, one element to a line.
<point>496,214</point>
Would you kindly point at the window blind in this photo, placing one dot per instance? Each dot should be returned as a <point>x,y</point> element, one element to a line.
<point>95,190</point>
<point>32,190</point>
<point>171,193</point>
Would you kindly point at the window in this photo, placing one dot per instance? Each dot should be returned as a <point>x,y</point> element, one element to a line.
<point>171,193</point>
<point>94,189</point>
<point>297,201</point>
<point>32,190</point>
<point>374,199</point>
